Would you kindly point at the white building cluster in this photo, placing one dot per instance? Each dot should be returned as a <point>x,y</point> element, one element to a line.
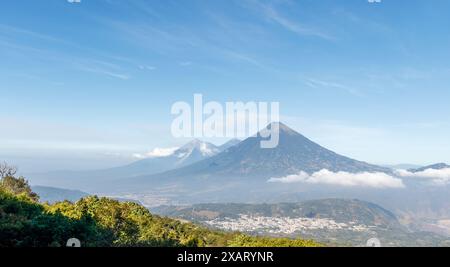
<point>282,225</point>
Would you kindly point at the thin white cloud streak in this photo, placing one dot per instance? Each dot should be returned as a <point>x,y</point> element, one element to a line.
<point>143,8</point>
<point>245,58</point>
<point>156,153</point>
<point>84,64</point>
<point>101,67</point>
<point>105,72</point>
<point>169,43</point>
<point>316,83</point>
<point>272,14</point>
<point>185,63</point>
<point>146,67</point>
<point>14,31</point>
<point>437,177</point>
<point>345,179</point>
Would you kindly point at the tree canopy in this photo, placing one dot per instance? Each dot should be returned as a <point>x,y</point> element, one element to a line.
<point>103,222</point>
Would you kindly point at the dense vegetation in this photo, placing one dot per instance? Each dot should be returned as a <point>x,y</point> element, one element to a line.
<point>24,222</point>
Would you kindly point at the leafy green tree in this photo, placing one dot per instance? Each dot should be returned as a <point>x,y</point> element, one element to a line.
<point>26,223</point>
<point>17,186</point>
<point>251,241</point>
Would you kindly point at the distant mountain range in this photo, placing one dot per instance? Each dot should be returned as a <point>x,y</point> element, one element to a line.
<point>403,166</point>
<point>294,153</point>
<point>238,171</point>
<point>247,162</point>
<point>438,166</point>
<point>53,194</point>
<point>201,163</point>
<point>192,152</point>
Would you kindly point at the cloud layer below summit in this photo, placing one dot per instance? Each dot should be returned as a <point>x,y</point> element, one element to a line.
<point>362,179</point>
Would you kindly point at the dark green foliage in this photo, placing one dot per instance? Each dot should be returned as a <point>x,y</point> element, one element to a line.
<point>251,241</point>
<point>98,222</point>
<point>25,223</point>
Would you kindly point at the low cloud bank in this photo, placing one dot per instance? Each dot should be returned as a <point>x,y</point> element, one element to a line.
<point>156,153</point>
<point>362,179</point>
<point>435,176</point>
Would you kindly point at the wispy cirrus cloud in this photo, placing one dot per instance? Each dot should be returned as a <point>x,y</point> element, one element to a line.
<point>185,63</point>
<point>147,67</point>
<point>18,40</point>
<point>101,67</point>
<point>346,179</point>
<point>12,31</point>
<point>271,13</point>
<point>316,83</point>
<point>105,72</point>
<point>223,38</point>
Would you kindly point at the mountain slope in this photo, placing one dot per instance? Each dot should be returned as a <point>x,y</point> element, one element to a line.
<point>192,152</point>
<point>337,221</point>
<point>53,194</point>
<point>294,153</point>
<point>229,144</point>
<point>340,210</point>
<point>438,166</point>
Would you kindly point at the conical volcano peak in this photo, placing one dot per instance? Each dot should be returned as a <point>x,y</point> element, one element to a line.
<point>248,161</point>
<point>283,128</point>
<point>196,145</point>
<point>193,143</point>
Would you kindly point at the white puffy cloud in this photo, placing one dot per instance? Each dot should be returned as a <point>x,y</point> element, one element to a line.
<point>156,153</point>
<point>437,177</point>
<point>362,179</point>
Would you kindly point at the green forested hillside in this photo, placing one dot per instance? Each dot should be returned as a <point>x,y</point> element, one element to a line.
<point>370,220</point>
<point>103,222</point>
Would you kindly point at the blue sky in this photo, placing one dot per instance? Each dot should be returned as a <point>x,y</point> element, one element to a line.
<point>87,85</point>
